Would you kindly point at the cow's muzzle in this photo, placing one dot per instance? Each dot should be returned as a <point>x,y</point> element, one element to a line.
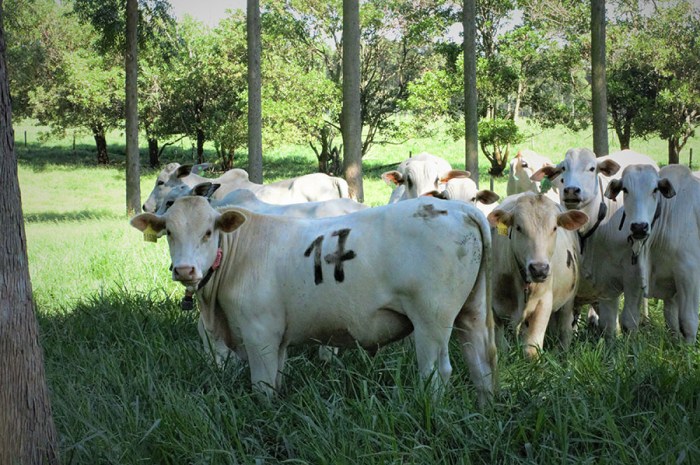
<point>539,272</point>
<point>186,274</point>
<point>639,230</point>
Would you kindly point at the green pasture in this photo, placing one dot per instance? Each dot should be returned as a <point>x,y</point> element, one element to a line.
<point>130,384</point>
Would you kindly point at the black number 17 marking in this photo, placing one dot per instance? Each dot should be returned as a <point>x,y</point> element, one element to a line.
<point>337,258</point>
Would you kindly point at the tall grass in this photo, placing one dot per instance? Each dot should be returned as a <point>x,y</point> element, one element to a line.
<point>130,384</point>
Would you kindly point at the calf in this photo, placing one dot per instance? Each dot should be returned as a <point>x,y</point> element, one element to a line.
<point>343,281</point>
<point>522,167</point>
<point>662,222</point>
<point>465,190</point>
<point>536,267</point>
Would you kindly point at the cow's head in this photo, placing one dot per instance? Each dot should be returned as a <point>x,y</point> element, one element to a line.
<point>642,190</point>
<point>522,167</point>
<point>171,178</point>
<point>532,221</point>
<point>420,175</point>
<point>464,189</point>
<point>577,177</point>
<point>193,228</point>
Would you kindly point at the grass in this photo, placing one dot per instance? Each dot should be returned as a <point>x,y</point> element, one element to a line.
<point>130,384</point>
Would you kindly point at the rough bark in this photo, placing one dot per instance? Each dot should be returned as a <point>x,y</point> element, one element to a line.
<point>133,181</point>
<point>471,119</point>
<point>599,81</point>
<point>27,432</point>
<point>255,163</point>
<point>200,146</point>
<point>351,117</point>
<point>673,150</point>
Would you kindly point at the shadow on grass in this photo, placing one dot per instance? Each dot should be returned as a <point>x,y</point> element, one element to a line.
<point>56,217</point>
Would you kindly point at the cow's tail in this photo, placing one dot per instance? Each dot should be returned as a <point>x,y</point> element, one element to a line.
<point>486,272</point>
<point>343,189</point>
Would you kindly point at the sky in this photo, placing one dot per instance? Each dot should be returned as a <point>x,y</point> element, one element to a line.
<point>207,11</point>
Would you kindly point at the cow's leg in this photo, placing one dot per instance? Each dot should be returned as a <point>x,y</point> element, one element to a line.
<point>671,316</point>
<point>432,342</point>
<point>213,346</point>
<point>630,317</point>
<point>264,356</point>
<point>281,360</point>
<point>537,321</point>
<point>476,335</point>
<point>564,324</point>
<point>326,353</point>
<point>688,297</point>
<point>607,316</point>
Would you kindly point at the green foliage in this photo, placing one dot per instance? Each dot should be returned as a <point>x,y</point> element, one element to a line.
<point>495,138</point>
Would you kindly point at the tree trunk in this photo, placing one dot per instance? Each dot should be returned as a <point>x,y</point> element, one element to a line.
<point>153,159</point>
<point>101,144</point>
<point>351,117</point>
<point>624,133</point>
<point>673,150</point>
<point>255,163</point>
<point>200,146</point>
<point>471,119</point>
<point>599,81</point>
<point>27,431</point>
<point>133,177</point>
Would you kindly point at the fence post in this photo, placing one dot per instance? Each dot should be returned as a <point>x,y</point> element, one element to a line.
<point>25,138</point>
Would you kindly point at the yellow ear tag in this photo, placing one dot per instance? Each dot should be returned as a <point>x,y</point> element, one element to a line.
<point>502,229</point>
<point>150,234</point>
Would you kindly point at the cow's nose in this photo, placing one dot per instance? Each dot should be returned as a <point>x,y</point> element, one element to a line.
<point>639,230</point>
<point>572,191</point>
<point>184,273</point>
<point>538,271</point>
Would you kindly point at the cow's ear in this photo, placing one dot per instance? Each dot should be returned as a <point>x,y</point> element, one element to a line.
<point>171,167</point>
<point>144,220</point>
<point>183,170</point>
<point>198,168</point>
<point>608,167</point>
<point>548,171</point>
<point>230,220</point>
<point>454,174</point>
<point>436,194</point>
<point>486,197</point>
<point>205,189</point>
<point>614,188</point>
<point>393,177</point>
<point>500,216</point>
<point>572,219</point>
<point>666,188</point>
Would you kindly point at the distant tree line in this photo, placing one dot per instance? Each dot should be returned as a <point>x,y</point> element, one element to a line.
<point>66,69</point>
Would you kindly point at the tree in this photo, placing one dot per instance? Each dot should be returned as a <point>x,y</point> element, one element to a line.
<point>599,82</point>
<point>254,93</point>
<point>27,431</point>
<point>133,178</point>
<point>471,118</point>
<point>351,120</point>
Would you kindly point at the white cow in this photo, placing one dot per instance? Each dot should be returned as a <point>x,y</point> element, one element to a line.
<point>214,344</point>
<point>662,223</point>
<point>522,167</point>
<point>419,175</point>
<point>536,268</point>
<point>306,188</point>
<point>355,279</point>
<point>582,179</point>
<point>465,190</point>
<point>175,178</point>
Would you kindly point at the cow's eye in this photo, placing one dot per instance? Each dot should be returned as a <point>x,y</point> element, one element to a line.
<point>409,183</point>
<point>592,169</point>
<point>624,190</point>
<point>518,228</point>
<point>555,229</point>
<point>169,204</point>
<point>563,168</point>
<point>167,231</point>
<point>437,181</point>
<point>523,164</point>
<point>207,234</point>
<point>656,189</point>
<point>160,183</point>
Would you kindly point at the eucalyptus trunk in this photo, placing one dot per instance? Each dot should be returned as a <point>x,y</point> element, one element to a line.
<point>351,113</point>
<point>471,119</point>
<point>27,431</point>
<point>133,176</point>
<point>255,162</point>
<point>599,84</point>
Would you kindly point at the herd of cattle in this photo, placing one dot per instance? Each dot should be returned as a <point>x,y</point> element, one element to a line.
<point>298,261</point>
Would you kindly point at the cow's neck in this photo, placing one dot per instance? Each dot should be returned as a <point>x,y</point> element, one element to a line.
<point>596,210</point>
